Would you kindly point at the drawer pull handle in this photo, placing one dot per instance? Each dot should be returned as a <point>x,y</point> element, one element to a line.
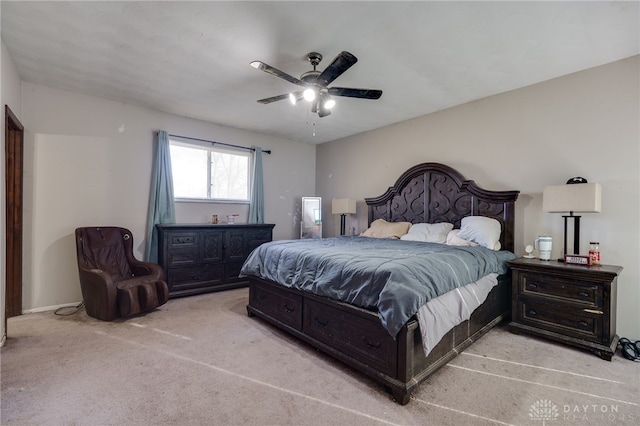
<point>583,294</point>
<point>532,285</point>
<point>532,312</point>
<point>583,324</point>
<point>320,323</point>
<point>372,346</point>
<point>593,311</point>
<point>288,308</point>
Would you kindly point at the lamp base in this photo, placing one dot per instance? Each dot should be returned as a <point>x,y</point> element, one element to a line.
<point>576,234</point>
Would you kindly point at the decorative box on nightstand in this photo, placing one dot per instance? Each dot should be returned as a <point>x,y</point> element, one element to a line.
<point>571,304</point>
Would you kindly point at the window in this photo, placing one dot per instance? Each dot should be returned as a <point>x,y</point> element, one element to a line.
<point>205,171</point>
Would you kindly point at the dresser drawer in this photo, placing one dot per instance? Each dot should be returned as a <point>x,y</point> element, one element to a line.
<point>567,319</point>
<point>182,257</point>
<point>278,303</point>
<point>351,334</point>
<point>182,239</point>
<point>561,288</point>
<point>195,277</point>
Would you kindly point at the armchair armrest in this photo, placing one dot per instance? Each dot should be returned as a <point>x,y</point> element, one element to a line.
<point>139,267</point>
<point>99,293</point>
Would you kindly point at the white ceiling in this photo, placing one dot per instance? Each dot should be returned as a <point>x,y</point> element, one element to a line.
<point>192,58</point>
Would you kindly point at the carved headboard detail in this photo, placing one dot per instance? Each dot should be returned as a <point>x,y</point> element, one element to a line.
<point>433,192</point>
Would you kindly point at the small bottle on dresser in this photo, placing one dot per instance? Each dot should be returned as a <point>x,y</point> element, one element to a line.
<point>594,252</point>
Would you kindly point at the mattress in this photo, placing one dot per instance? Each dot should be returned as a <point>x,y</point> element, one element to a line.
<point>442,313</point>
<point>393,277</point>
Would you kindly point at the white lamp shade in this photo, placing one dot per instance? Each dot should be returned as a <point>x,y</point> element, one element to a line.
<point>577,197</point>
<point>343,206</point>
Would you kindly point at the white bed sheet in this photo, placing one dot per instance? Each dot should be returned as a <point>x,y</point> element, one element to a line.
<point>441,314</point>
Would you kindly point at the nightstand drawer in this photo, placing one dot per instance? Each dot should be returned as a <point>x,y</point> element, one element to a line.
<point>558,287</point>
<point>569,320</point>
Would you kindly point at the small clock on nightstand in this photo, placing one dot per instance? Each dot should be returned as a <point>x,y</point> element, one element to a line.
<point>569,303</point>
<point>577,259</point>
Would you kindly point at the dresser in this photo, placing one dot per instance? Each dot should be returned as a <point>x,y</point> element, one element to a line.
<point>200,258</point>
<point>572,304</point>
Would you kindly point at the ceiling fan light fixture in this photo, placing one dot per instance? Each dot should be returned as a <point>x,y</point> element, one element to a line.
<point>328,102</point>
<point>293,99</point>
<point>309,94</point>
<point>323,112</point>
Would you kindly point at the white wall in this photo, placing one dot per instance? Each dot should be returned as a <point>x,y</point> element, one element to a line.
<point>584,124</point>
<point>88,162</point>
<point>10,94</point>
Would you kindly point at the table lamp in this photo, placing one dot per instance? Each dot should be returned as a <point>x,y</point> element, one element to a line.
<point>576,196</point>
<point>343,207</point>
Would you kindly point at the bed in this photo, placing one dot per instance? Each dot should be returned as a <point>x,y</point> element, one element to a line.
<point>361,336</point>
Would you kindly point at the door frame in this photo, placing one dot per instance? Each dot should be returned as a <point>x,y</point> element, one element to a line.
<point>14,161</point>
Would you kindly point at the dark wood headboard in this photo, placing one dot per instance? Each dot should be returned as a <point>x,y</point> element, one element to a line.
<point>433,192</point>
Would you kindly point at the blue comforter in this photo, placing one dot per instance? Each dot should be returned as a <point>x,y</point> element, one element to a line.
<point>393,277</point>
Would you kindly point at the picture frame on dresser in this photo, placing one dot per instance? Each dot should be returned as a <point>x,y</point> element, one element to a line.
<point>567,303</point>
<point>202,258</point>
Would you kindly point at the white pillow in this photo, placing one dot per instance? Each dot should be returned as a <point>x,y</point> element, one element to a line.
<point>483,230</point>
<point>428,232</point>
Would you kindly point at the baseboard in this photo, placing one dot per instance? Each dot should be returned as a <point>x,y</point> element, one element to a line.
<point>50,308</point>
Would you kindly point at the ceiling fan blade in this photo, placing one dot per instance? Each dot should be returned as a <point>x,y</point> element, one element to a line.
<point>274,71</point>
<point>296,95</point>
<point>273,99</point>
<point>340,64</point>
<point>355,93</point>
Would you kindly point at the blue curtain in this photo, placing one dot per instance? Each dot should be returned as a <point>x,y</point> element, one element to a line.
<point>256,208</point>
<point>161,204</point>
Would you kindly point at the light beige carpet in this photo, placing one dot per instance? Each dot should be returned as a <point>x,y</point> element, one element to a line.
<point>202,361</point>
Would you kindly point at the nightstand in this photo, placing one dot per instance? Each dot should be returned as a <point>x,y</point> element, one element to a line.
<point>571,304</point>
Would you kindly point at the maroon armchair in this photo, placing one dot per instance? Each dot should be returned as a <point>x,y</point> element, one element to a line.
<point>114,283</point>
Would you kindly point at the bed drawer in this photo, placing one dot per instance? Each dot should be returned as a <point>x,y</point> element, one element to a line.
<point>280,304</point>
<point>351,334</point>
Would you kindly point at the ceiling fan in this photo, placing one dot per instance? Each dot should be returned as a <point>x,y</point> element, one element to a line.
<point>315,83</point>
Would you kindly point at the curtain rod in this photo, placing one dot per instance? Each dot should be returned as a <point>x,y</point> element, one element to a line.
<point>268,151</point>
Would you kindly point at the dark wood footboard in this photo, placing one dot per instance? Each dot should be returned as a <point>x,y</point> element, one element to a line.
<point>356,337</point>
